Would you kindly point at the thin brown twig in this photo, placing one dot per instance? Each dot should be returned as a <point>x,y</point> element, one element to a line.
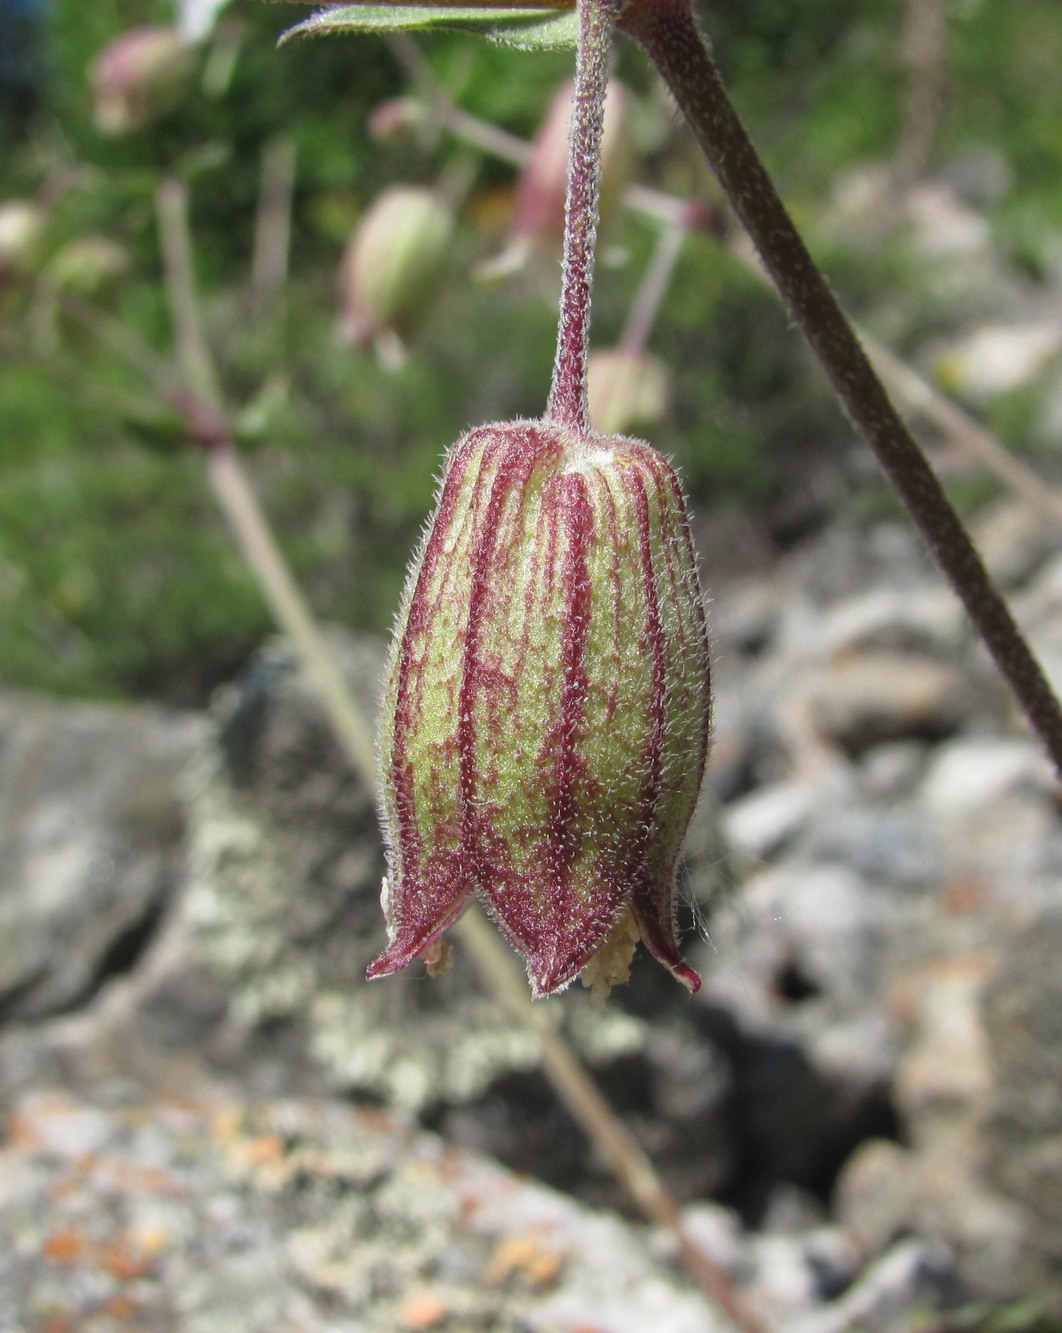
<point>272,226</point>
<point>618,1147</point>
<point>235,495</point>
<point>653,287</point>
<point>924,43</point>
<point>193,356</point>
<point>288,606</point>
<point>462,124</point>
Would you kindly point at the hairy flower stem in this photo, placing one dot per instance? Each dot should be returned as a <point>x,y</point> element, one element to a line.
<point>668,32</point>
<point>567,397</point>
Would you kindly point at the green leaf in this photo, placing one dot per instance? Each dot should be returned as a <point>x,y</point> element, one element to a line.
<point>532,28</point>
<point>551,31</point>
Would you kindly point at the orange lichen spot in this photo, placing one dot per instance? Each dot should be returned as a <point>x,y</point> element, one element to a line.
<point>264,1148</point>
<point>157,1180</point>
<point>57,1323</point>
<point>62,1189</point>
<point>66,1246</point>
<point>123,1260</point>
<point>21,1132</point>
<point>376,1120</point>
<point>422,1312</point>
<point>121,1308</point>
<point>963,897</point>
<point>524,1258</point>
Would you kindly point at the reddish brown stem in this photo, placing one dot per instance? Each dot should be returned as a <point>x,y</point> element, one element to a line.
<point>667,30</point>
<point>567,398</point>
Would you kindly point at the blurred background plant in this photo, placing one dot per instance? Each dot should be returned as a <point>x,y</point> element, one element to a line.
<point>117,577</point>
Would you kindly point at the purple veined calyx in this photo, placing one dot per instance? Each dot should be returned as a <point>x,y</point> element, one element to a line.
<point>392,268</point>
<point>546,718</point>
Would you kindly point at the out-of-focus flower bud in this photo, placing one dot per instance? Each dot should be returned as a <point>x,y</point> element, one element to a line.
<point>88,266</point>
<point>401,119</point>
<point>138,76</point>
<point>21,225</point>
<point>540,191</point>
<point>627,392</point>
<point>546,717</point>
<point>394,264</point>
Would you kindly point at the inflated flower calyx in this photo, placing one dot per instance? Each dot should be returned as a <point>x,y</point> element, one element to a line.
<point>538,213</point>
<point>138,76</point>
<point>541,189</point>
<point>394,264</point>
<point>89,266</point>
<point>546,717</point>
<point>403,120</point>
<point>21,228</point>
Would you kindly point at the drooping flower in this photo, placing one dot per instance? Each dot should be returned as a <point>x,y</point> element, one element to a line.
<point>541,188</point>
<point>545,725</point>
<point>393,264</point>
<point>538,207</point>
<point>140,74</point>
<point>21,226</point>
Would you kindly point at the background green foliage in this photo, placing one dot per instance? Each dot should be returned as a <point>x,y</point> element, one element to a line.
<point>117,575</point>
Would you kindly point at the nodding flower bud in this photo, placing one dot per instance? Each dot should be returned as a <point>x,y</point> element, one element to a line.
<point>21,226</point>
<point>400,120</point>
<point>138,76</point>
<point>89,266</point>
<point>545,726</point>
<point>540,191</point>
<point>393,264</point>
<point>627,392</point>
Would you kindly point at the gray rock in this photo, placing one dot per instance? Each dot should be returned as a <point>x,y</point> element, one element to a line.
<point>924,619</point>
<point>887,845</point>
<point>745,616</point>
<point>978,1090</point>
<point>866,698</point>
<point>889,772</point>
<point>760,823</point>
<point>91,843</point>
<point>791,1000</point>
<point>793,1274</point>
<point>945,1067</point>
<point>213,1212</point>
<point>814,923</point>
<point>1014,540</point>
<point>912,1276</point>
<point>1023,1127</point>
<point>847,557</point>
<point>991,803</point>
<point>877,1193</point>
<point>969,777</point>
<point>1038,610</point>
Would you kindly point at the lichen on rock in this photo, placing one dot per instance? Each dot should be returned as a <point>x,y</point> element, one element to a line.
<point>283,902</point>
